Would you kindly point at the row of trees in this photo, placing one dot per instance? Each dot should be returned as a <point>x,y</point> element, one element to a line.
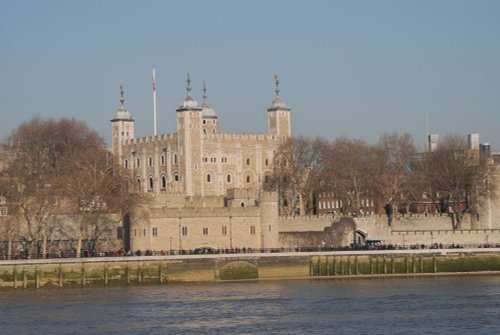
<point>352,170</point>
<point>60,183</point>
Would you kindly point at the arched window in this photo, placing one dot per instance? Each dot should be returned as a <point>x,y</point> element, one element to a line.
<point>138,162</point>
<point>162,160</point>
<point>228,178</point>
<point>267,162</point>
<point>163,182</point>
<point>248,161</point>
<point>151,183</point>
<point>248,179</point>
<point>175,158</point>
<point>139,184</point>
<point>209,178</point>
<point>266,179</point>
<point>176,177</point>
<point>150,161</point>
<point>126,164</point>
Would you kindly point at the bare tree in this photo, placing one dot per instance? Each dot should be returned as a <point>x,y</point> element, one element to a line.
<point>456,178</point>
<point>99,197</point>
<point>349,172</point>
<point>297,166</point>
<point>395,153</point>
<point>42,155</point>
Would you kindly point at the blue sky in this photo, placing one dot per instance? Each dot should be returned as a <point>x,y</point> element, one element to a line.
<point>348,68</point>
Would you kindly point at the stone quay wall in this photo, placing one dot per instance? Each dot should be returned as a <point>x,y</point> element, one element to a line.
<point>59,273</point>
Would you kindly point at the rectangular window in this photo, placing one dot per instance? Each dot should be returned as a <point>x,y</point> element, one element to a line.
<point>224,230</point>
<point>252,230</point>
<point>269,227</point>
<point>135,232</point>
<point>119,233</point>
<point>184,231</point>
<point>155,231</point>
<point>144,231</point>
<point>205,231</point>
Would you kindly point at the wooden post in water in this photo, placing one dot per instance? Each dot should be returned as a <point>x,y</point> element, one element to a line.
<point>60,275</point>
<point>349,270</point>
<point>160,272</point>
<point>15,276</point>
<point>356,265</point>
<point>83,274</point>
<point>327,266</point>
<point>421,261</point>
<point>434,264</point>
<point>105,274</point>
<point>413,264</point>
<point>25,280</point>
<point>139,273</point>
<point>384,261</point>
<point>37,278</point>
<point>342,266</point>
<point>127,273</point>
<point>393,265</point>
<point>371,265</point>
<point>334,266</point>
<point>406,265</point>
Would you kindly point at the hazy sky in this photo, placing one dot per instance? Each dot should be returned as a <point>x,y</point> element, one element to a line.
<point>348,68</point>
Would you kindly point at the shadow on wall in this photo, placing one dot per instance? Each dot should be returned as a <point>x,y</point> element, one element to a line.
<point>340,234</point>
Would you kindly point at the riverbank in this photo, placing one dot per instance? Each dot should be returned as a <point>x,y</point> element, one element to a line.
<point>140,270</point>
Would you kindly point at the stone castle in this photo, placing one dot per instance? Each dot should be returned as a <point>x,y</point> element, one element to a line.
<point>208,190</point>
<point>207,186</point>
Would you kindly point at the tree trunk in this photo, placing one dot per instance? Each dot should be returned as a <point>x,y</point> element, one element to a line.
<point>9,248</point>
<point>44,246</point>
<point>79,246</point>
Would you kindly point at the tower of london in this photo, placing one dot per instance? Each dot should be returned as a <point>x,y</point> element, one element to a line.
<point>207,186</point>
<point>198,160</point>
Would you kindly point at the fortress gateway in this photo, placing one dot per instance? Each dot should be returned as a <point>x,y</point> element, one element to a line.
<point>207,186</point>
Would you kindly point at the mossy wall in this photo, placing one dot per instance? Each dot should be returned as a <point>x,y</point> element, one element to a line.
<point>130,271</point>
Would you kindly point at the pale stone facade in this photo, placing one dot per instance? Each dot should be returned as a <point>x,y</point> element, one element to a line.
<point>207,186</point>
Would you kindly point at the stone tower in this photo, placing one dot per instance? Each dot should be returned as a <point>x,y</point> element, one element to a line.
<point>209,116</point>
<point>122,128</point>
<point>278,118</point>
<point>189,142</point>
<point>269,220</point>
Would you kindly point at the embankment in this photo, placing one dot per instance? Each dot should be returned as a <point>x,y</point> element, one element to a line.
<point>58,273</point>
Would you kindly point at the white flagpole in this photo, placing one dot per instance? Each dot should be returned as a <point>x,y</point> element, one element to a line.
<point>154,101</point>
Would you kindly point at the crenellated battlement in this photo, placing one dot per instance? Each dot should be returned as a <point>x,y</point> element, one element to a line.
<point>243,136</point>
<point>150,139</point>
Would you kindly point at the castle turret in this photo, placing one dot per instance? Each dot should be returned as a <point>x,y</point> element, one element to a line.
<point>122,126</point>
<point>269,220</point>
<point>190,142</point>
<point>209,116</point>
<point>279,114</point>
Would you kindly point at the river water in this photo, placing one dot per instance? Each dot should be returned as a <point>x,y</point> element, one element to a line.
<point>441,305</point>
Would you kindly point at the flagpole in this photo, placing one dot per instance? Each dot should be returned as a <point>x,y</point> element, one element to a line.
<point>154,101</point>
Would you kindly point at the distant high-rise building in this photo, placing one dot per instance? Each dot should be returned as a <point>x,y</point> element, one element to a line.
<point>432,142</point>
<point>473,141</point>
